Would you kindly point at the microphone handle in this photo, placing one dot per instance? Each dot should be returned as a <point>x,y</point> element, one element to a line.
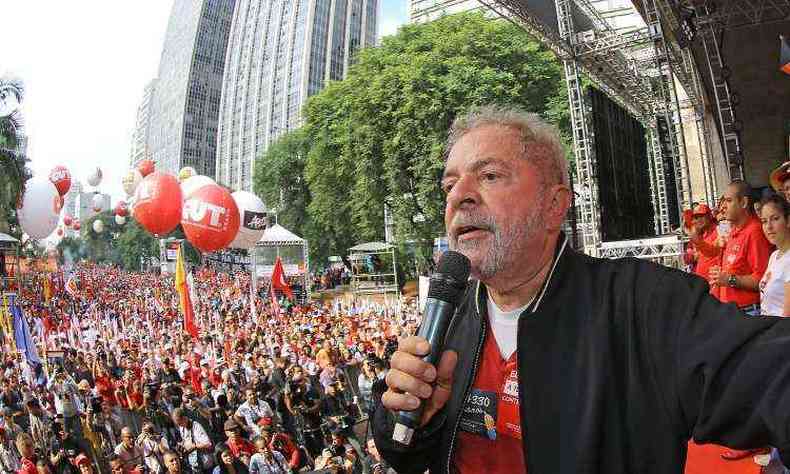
<point>435,324</point>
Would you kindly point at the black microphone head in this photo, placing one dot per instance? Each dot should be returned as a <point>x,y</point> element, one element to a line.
<point>449,281</point>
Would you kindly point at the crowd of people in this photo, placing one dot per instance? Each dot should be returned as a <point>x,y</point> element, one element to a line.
<point>123,389</point>
<point>741,249</point>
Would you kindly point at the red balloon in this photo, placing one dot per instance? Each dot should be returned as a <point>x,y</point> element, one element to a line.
<point>67,220</point>
<point>121,211</point>
<point>60,232</point>
<point>210,218</point>
<point>76,225</point>
<point>158,203</point>
<point>145,167</point>
<point>61,178</point>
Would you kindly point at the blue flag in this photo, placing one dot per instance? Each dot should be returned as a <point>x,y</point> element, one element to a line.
<point>24,343</point>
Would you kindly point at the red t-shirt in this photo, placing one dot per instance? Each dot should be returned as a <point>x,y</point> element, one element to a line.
<point>106,389</point>
<point>702,268</point>
<point>746,253</point>
<point>241,445</point>
<point>489,435</point>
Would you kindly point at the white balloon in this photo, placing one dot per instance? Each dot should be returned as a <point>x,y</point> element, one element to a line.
<point>190,185</point>
<point>130,181</point>
<point>98,226</point>
<point>98,203</point>
<point>40,210</point>
<point>252,220</point>
<point>120,220</point>
<point>95,177</point>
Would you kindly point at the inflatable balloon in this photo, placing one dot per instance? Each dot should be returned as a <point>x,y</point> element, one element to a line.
<point>252,223</point>
<point>67,220</point>
<point>60,231</point>
<point>40,210</point>
<point>190,185</point>
<point>121,209</point>
<point>158,203</point>
<point>76,225</point>
<point>186,173</point>
<point>61,178</point>
<point>210,218</point>
<point>95,177</point>
<point>98,226</point>
<point>98,202</point>
<point>131,181</point>
<point>120,220</point>
<point>145,167</point>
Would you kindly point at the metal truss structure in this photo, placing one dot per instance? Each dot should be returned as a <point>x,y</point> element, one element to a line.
<point>667,250</point>
<point>637,70</point>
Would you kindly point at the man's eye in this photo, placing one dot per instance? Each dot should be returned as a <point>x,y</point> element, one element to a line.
<point>489,176</point>
<point>447,188</point>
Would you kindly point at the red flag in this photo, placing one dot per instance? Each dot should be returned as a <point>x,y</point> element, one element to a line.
<point>278,279</point>
<point>183,292</point>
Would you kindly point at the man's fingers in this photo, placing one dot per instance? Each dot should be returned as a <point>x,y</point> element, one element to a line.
<point>413,365</point>
<point>414,345</point>
<point>404,382</point>
<point>441,391</point>
<point>399,401</point>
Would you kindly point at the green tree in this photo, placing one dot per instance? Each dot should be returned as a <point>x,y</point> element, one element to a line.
<point>12,163</point>
<point>378,136</point>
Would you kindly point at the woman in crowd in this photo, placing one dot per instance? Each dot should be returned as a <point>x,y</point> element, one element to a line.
<point>227,463</point>
<point>775,284</point>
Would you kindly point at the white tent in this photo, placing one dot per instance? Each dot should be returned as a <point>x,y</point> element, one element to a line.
<point>279,236</point>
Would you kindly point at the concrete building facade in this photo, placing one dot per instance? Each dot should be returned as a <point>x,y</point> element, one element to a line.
<point>280,52</point>
<point>142,127</point>
<point>185,103</point>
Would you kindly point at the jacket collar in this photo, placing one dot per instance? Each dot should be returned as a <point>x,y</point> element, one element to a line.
<point>559,253</point>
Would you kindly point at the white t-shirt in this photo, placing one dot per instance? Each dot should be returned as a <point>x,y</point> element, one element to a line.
<point>772,289</point>
<point>504,325</point>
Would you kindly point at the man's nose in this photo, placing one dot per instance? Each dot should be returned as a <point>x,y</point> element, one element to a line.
<point>464,192</point>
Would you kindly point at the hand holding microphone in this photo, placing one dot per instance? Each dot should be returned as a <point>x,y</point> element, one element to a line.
<point>420,377</point>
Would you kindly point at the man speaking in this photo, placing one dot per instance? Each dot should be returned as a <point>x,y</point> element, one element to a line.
<point>557,362</point>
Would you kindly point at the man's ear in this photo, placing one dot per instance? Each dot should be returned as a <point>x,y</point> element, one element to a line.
<point>558,201</point>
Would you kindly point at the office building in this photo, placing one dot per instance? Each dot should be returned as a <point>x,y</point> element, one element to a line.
<point>185,101</point>
<point>281,52</point>
<point>142,126</point>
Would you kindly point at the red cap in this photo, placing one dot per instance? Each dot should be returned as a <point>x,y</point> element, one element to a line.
<point>81,459</point>
<point>701,210</point>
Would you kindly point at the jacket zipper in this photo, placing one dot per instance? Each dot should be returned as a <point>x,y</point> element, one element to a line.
<point>466,390</point>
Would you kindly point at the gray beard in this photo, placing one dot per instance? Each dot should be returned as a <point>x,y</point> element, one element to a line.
<point>507,242</point>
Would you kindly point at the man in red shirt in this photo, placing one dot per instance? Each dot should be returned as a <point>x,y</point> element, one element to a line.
<point>704,229</point>
<point>746,252</point>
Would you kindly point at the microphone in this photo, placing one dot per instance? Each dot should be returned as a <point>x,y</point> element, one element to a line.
<point>445,290</point>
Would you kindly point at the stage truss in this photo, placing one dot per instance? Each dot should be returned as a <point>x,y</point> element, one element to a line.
<point>639,70</point>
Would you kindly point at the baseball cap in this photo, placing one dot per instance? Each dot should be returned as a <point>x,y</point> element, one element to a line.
<point>701,210</point>
<point>82,459</point>
<point>779,176</point>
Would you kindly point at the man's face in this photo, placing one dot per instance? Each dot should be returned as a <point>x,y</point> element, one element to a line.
<point>172,464</point>
<point>116,466</point>
<point>493,211</point>
<point>786,188</point>
<point>127,438</point>
<point>700,222</point>
<point>85,468</point>
<point>732,204</point>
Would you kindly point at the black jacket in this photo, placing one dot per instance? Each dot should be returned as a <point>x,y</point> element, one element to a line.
<point>621,363</point>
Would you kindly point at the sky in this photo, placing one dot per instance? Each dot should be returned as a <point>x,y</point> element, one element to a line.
<point>84,65</point>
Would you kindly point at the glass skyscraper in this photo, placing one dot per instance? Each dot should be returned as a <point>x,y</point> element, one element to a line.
<point>142,126</point>
<point>185,104</point>
<point>280,52</point>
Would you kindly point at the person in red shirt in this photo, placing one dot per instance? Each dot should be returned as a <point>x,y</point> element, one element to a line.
<point>746,252</point>
<point>703,227</point>
<point>240,447</point>
<point>24,444</point>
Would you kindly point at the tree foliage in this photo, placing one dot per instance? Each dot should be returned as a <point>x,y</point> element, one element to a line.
<point>12,162</point>
<point>378,136</point>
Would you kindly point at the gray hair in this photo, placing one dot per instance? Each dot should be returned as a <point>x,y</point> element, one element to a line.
<point>533,130</point>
